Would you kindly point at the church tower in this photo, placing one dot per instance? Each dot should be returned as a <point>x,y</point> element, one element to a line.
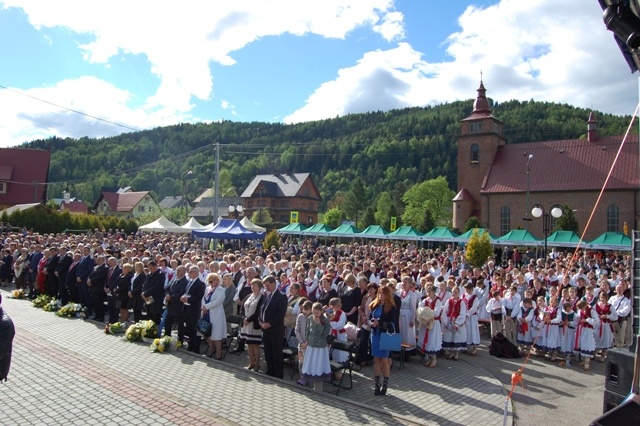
<point>480,136</point>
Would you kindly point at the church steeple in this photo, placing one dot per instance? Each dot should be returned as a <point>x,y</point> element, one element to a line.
<point>481,105</point>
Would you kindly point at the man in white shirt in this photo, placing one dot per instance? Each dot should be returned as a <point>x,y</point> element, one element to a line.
<point>622,305</point>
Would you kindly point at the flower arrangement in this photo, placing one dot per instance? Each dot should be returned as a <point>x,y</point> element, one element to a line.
<point>71,310</point>
<point>17,294</point>
<point>164,344</point>
<point>133,333</point>
<point>115,328</point>
<point>52,306</point>
<point>149,329</point>
<point>42,300</point>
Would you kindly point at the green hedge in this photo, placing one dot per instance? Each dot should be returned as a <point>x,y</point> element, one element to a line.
<point>43,220</point>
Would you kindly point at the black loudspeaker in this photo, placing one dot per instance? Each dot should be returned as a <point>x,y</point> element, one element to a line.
<point>619,373</point>
<point>625,414</point>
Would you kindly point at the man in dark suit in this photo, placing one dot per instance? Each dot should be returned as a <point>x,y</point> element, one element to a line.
<point>83,270</point>
<point>153,292</point>
<point>97,282</point>
<point>191,307</point>
<point>174,306</point>
<point>70,279</point>
<point>51,282</point>
<point>271,321</point>
<point>61,273</point>
<point>34,260</point>
<point>112,284</point>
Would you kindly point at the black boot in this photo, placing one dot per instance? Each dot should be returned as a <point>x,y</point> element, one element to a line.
<point>376,392</point>
<point>385,382</point>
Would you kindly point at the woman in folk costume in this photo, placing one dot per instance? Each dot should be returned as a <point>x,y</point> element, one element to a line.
<point>537,327</point>
<point>315,366</point>
<point>585,341</point>
<point>484,294</point>
<point>409,302</point>
<point>454,315</point>
<point>337,323</point>
<point>551,328</point>
<point>429,329</point>
<point>567,332</point>
<point>604,331</point>
<point>471,301</point>
<point>524,325</point>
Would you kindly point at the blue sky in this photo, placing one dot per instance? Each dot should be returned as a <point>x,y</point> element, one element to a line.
<point>145,64</point>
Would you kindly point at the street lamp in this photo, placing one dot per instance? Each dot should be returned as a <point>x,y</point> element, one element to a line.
<point>538,211</point>
<point>235,211</point>
<point>526,218</point>
<point>185,176</point>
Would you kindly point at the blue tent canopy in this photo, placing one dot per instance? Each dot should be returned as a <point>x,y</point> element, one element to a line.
<point>228,229</point>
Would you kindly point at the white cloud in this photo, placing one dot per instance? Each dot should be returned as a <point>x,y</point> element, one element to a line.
<point>180,39</point>
<point>544,49</point>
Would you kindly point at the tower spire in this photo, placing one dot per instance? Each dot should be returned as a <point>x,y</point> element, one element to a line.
<point>481,105</point>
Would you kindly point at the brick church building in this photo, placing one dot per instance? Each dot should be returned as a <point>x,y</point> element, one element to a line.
<point>499,182</point>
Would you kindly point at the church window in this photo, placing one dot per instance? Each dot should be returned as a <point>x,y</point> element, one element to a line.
<point>475,153</point>
<point>613,218</point>
<point>475,127</point>
<point>505,219</point>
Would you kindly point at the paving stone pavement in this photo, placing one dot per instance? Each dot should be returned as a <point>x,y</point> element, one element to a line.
<point>67,371</point>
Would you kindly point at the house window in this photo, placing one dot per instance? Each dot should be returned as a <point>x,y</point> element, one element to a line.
<point>310,206</point>
<point>475,127</point>
<point>505,219</point>
<point>3,187</point>
<point>249,203</point>
<point>284,218</point>
<point>613,218</point>
<point>141,209</point>
<point>475,153</point>
<point>310,220</point>
<point>284,203</point>
<point>305,192</point>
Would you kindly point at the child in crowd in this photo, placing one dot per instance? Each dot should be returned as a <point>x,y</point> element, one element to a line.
<point>552,319</point>
<point>524,320</point>
<point>300,330</point>
<point>430,334</point>
<point>471,324</point>
<point>496,310</point>
<point>585,340</point>
<point>316,367</point>
<point>567,333</point>
<point>538,331</point>
<point>590,296</point>
<point>337,323</point>
<point>604,330</point>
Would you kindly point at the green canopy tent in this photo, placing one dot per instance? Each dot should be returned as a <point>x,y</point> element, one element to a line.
<point>405,232</point>
<point>374,231</point>
<point>563,239</point>
<point>518,237</point>
<point>440,233</point>
<point>610,241</point>
<point>317,230</point>
<point>344,231</point>
<point>292,229</point>
<point>464,238</point>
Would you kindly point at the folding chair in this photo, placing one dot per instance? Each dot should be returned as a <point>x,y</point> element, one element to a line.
<point>234,321</point>
<point>344,368</point>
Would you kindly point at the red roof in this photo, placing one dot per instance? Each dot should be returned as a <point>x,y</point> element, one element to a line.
<point>74,207</point>
<point>124,202</point>
<point>25,171</point>
<point>464,195</point>
<point>567,165</point>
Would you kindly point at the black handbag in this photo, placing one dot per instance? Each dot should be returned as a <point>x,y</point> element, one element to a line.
<point>203,327</point>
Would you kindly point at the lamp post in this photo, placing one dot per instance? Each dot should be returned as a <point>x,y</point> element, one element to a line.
<point>235,211</point>
<point>538,211</point>
<point>185,176</point>
<point>527,218</point>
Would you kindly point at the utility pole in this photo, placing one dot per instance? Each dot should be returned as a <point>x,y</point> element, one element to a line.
<point>216,190</point>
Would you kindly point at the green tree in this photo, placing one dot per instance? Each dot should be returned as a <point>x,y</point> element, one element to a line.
<point>478,249</point>
<point>368,218</point>
<point>472,223</point>
<point>355,200</point>
<point>272,240</point>
<point>383,210</point>
<point>568,221</point>
<point>262,217</point>
<point>332,217</point>
<point>432,197</point>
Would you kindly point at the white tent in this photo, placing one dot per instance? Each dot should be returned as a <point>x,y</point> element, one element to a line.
<point>251,226</point>
<point>163,225</point>
<point>192,224</point>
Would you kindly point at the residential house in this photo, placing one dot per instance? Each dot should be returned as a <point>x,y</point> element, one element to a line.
<point>23,176</point>
<point>125,203</point>
<point>281,195</point>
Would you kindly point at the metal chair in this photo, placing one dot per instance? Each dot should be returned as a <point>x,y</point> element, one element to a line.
<point>234,321</point>
<point>344,368</point>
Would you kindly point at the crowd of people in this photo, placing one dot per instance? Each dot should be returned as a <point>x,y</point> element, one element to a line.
<point>305,294</point>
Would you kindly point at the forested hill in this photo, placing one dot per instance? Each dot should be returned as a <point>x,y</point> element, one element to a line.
<point>390,150</point>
